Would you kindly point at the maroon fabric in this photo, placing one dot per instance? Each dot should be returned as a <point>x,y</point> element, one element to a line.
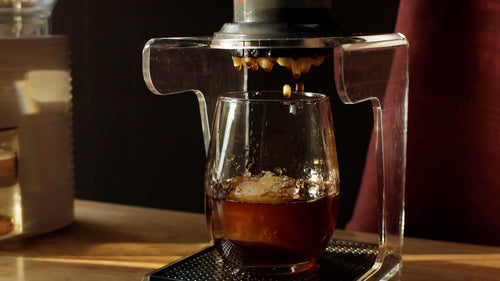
<point>453,169</point>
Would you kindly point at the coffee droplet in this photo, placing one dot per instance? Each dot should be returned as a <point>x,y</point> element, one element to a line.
<point>250,63</point>
<point>299,86</point>
<point>266,63</point>
<point>287,91</point>
<point>297,65</point>
<point>285,62</point>
<point>237,63</point>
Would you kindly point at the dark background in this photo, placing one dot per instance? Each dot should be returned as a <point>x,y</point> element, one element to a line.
<point>133,147</point>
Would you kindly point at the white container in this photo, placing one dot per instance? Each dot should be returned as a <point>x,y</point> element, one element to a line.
<point>35,103</point>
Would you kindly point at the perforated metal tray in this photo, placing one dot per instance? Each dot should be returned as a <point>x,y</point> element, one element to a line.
<point>342,261</point>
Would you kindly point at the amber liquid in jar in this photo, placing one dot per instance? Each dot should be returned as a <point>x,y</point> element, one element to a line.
<point>8,178</point>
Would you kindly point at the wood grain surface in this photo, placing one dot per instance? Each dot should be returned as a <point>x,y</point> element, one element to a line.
<point>117,242</point>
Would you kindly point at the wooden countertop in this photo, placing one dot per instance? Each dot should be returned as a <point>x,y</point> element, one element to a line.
<point>117,242</point>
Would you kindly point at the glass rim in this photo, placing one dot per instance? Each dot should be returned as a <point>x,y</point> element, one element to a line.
<point>277,97</point>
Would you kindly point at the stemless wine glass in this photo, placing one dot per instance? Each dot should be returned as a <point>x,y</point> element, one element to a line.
<point>272,180</point>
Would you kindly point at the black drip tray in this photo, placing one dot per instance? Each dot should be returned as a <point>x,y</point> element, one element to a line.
<point>342,261</point>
